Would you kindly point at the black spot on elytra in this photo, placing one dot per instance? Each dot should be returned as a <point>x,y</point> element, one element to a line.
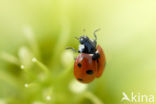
<point>79,65</point>
<point>80,79</point>
<point>90,72</point>
<point>94,57</point>
<point>98,55</point>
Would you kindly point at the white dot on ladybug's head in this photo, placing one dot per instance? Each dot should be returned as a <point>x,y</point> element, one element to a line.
<point>81,47</point>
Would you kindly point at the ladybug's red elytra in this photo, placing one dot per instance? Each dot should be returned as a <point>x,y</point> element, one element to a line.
<point>90,63</point>
<point>85,68</point>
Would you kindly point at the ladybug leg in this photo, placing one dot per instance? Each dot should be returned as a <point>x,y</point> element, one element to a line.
<point>72,49</point>
<point>77,38</point>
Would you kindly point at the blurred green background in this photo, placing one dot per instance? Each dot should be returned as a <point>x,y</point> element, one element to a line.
<point>35,68</point>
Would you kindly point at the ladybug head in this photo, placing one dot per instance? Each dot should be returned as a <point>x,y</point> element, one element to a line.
<point>83,39</point>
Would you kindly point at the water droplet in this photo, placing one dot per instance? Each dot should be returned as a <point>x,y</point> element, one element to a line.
<point>22,66</point>
<point>26,85</point>
<point>34,59</point>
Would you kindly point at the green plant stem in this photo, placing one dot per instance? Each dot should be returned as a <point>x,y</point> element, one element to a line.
<point>93,98</point>
<point>42,66</point>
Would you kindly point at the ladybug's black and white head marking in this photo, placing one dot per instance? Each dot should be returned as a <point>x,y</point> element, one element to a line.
<point>81,48</point>
<point>83,39</point>
<point>87,45</point>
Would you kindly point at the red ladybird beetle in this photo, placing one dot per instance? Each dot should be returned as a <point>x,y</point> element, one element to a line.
<point>90,63</point>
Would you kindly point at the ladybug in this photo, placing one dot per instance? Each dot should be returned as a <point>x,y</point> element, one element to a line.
<point>90,62</point>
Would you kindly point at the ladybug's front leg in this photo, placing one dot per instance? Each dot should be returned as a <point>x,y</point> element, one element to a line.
<point>95,56</point>
<point>73,49</point>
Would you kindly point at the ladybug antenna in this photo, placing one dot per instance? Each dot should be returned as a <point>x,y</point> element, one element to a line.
<point>72,49</point>
<point>95,33</point>
<point>84,30</point>
<point>77,38</point>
